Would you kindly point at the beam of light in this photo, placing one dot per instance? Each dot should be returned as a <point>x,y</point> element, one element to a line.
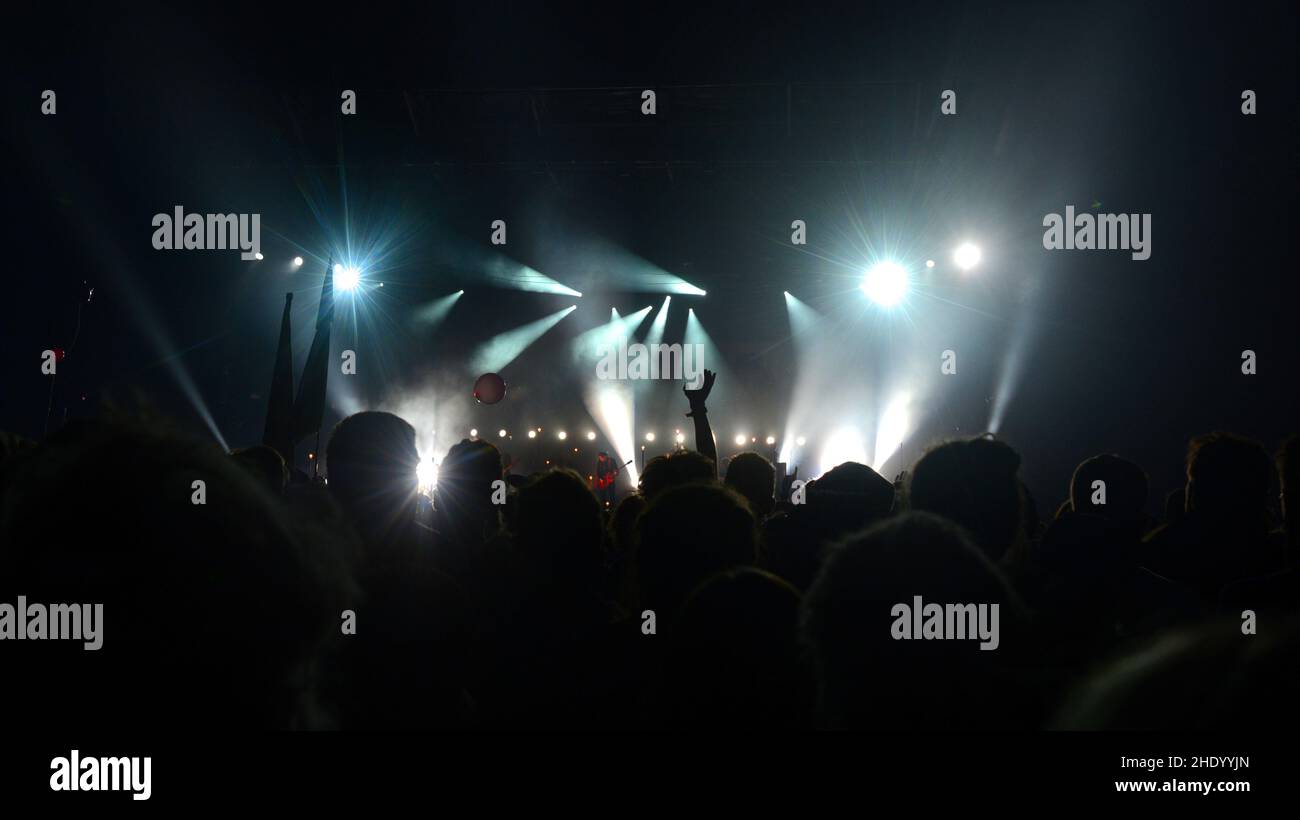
<point>511,275</point>
<point>502,349</point>
<point>892,430</point>
<point>609,405</point>
<point>1013,364</point>
<point>591,345</point>
<point>625,271</point>
<point>803,319</point>
<point>710,357</point>
<point>967,256</point>
<point>432,314</point>
<point>656,334</point>
<point>845,444</point>
<point>885,283</point>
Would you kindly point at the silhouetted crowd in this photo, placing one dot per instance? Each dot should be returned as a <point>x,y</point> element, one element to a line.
<point>239,594</point>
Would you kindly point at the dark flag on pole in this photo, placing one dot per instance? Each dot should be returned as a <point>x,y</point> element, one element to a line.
<point>309,404</point>
<point>279,410</point>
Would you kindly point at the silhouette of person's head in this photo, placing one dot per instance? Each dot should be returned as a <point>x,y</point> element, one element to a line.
<point>1193,679</point>
<point>213,602</point>
<point>686,534</point>
<point>753,477</point>
<point>673,470</point>
<point>266,465</point>
<point>1228,477</point>
<point>855,490</point>
<point>973,482</point>
<point>372,463</point>
<point>870,677</point>
<point>463,497</point>
<point>1123,482</point>
<point>559,527</point>
<point>736,659</point>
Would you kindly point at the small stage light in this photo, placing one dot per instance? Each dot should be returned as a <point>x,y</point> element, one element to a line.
<point>681,438</point>
<point>297,261</point>
<point>532,434</point>
<point>501,433</point>
<point>591,436</point>
<point>771,440</point>
<point>649,436</point>
<point>740,440</point>
<point>929,263</point>
<point>563,435</point>
<point>966,256</point>
<point>801,441</point>
<point>258,256</point>
<point>473,433</point>
<point>886,283</point>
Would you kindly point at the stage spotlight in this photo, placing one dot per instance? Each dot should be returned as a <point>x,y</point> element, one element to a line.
<point>258,256</point>
<point>563,435</point>
<point>801,441</point>
<point>929,263</point>
<point>426,474</point>
<point>346,278</point>
<point>297,261</point>
<point>771,440</point>
<point>591,436</point>
<point>532,434</point>
<point>966,256</point>
<point>886,283</point>
<point>649,436</point>
<point>501,433</point>
<point>740,440</point>
<point>473,433</point>
<point>681,438</point>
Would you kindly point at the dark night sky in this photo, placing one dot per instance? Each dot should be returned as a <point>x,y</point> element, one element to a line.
<point>1135,106</point>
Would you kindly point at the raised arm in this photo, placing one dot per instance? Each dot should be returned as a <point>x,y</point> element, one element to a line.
<point>704,443</point>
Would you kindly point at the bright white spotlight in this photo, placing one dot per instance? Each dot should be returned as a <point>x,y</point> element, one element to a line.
<point>886,283</point>
<point>929,263</point>
<point>771,440</point>
<point>740,440</point>
<point>346,278</point>
<point>532,434</point>
<point>426,475</point>
<point>649,436</point>
<point>966,256</point>
<point>681,438</point>
<point>801,441</point>
<point>473,433</point>
<point>297,261</point>
<point>591,436</point>
<point>258,256</point>
<point>501,433</point>
<point>563,435</point>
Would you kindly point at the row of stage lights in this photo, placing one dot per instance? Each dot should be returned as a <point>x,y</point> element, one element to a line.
<point>678,436</point>
<point>885,283</point>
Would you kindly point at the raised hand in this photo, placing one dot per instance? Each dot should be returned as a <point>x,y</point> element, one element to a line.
<point>698,396</point>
